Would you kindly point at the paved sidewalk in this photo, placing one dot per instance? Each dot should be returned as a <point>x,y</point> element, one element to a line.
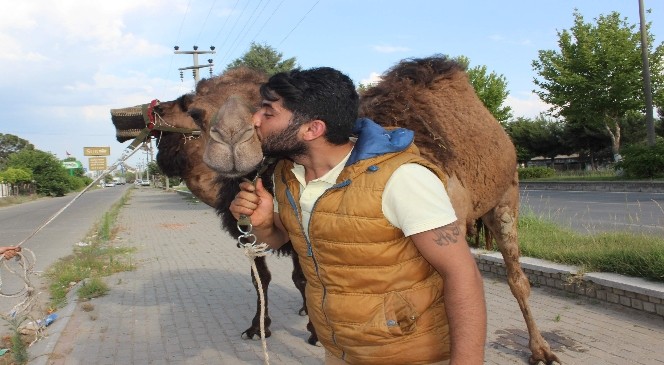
<point>191,296</point>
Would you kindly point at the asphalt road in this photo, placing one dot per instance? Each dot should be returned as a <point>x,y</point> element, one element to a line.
<point>59,237</point>
<point>595,212</point>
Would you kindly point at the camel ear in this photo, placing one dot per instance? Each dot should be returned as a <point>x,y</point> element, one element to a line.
<point>314,129</point>
<point>198,115</point>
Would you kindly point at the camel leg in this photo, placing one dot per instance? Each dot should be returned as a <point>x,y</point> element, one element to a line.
<point>502,221</point>
<point>300,283</point>
<point>266,277</point>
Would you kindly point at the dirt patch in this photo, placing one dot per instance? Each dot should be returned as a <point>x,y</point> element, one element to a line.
<point>173,226</point>
<point>517,340</point>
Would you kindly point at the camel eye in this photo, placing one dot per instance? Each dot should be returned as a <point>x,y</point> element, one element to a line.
<point>198,115</point>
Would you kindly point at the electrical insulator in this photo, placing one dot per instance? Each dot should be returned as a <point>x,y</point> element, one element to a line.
<point>181,76</point>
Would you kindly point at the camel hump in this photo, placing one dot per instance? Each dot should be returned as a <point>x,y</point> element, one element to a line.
<point>423,71</point>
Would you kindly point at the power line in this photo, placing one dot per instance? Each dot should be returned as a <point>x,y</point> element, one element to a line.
<point>205,21</point>
<point>298,23</point>
<point>234,24</point>
<point>267,20</point>
<point>225,22</point>
<point>170,63</point>
<point>232,47</point>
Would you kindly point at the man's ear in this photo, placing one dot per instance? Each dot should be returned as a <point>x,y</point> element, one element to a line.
<point>314,129</point>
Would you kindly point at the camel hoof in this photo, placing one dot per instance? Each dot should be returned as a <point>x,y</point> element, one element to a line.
<point>253,333</point>
<point>550,359</point>
<point>313,340</point>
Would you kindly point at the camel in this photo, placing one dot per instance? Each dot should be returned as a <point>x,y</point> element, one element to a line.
<point>180,154</point>
<point>434,98</point>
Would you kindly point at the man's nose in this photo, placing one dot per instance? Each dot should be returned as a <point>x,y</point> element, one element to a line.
<point>255,119</point>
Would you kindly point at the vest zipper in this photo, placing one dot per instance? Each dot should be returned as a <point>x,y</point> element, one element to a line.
<point>306,235</point>
<point>310,252</point>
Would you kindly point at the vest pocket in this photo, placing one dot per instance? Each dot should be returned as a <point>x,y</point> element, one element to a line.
<point>400,315</point>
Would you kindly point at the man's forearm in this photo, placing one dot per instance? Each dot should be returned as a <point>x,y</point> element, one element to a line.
<point>466,312</point>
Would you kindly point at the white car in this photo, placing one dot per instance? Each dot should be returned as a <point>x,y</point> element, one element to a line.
<point>109,184</point>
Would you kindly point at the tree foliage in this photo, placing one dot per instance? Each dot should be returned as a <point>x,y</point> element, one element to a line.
<point>50,176</point>
<point>595,80</point>
<point>536,137</point>
<point>265,58</point>
<point>14,175</point>
<point>9,144</point>
<point>642,161</point>
<point>491,89</point>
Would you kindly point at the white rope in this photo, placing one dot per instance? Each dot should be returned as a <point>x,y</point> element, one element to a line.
<point>252,251</point>
<point>28,262</point>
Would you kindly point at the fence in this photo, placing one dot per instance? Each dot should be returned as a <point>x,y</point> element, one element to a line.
<point>7,190</point>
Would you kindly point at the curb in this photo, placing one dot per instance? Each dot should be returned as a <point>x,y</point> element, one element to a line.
<point>632,292</point>
<point>39,352</point>
<point>613,186</point>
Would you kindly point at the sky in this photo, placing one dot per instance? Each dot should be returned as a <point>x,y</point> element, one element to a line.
<point>65,63</point>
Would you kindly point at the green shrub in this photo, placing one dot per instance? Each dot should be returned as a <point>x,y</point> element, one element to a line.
<point>643,162</point>
<point>536,172</point>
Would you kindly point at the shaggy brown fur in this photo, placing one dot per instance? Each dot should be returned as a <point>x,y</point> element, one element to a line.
<point>433,97</point>
<point>181,155</point>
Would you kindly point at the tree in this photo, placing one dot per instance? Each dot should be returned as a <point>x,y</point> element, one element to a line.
<point>491,88</point>
<point>9,144</point>
<point>264,58</point>
<point>538,137</point>
<point>50,176</point>
<point>595,81</point>
<point>13,175</point>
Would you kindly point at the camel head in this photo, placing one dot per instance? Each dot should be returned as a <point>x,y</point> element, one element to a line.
<point>233,148</point>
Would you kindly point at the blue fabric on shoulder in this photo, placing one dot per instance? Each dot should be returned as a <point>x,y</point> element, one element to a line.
<point>374,140</point>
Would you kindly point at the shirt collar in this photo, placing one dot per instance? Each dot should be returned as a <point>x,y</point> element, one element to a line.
<point>330,177</point>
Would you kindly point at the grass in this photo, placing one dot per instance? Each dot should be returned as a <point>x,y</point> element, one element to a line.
<point>99,258</point>
<point>13,200</point>
<point>637,255</point>
<point>88,264</point>
<point>583,175</point>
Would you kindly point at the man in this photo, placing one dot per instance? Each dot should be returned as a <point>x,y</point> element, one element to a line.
<point>390,278</point>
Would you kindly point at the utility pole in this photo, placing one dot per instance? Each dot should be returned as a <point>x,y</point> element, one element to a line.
<point>196,66</point>
<point>647,89</point>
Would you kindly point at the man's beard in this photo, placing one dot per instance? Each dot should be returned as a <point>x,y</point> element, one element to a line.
<point>285,143</point>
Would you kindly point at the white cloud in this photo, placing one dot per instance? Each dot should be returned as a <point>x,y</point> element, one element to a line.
<point>373,78</point>
<point>528,106</point>
<point>389,49</point>
<point>502,39</point>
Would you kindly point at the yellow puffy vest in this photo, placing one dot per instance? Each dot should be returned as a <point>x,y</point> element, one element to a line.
<point>371,296</point>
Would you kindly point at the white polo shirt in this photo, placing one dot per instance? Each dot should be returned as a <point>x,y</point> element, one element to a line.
<point>414,199</point>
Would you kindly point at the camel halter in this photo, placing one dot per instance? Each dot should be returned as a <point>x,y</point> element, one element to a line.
<point>155,123</point>
<point>247,241</point>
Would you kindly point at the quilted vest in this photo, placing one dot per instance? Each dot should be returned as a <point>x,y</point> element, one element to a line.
<point>371,296</point>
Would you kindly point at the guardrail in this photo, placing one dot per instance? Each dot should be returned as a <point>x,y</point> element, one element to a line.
<point>613,186</point>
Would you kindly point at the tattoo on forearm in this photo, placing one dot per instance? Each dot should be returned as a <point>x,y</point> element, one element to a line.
<point>447,235</point>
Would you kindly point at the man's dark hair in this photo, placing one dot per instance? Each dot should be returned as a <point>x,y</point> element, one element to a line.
<point>318,93</point>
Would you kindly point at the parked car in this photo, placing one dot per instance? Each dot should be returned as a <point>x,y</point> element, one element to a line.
<point>109,184</point>
<point>145,183</point>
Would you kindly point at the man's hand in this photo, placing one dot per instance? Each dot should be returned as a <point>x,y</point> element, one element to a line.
<point>254,202</point>
<point>9,252</point>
